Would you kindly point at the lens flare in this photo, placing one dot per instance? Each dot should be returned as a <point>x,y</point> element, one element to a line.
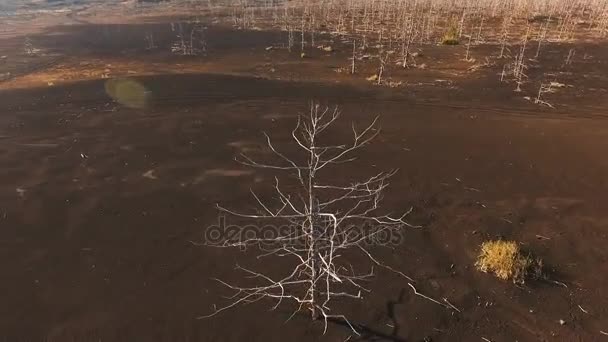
<point>127,92</point>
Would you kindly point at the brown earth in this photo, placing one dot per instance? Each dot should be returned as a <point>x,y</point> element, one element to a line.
<point>100,196</point>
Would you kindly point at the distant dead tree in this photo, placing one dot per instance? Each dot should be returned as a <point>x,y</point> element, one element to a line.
<point>326,223</point>
<point>149,39</point>
<point>520,62</point>
<point>354,58</point>
<point>422,22</point>
<point>28,47</point>
<point>192,41</point>
<point>544,88</point>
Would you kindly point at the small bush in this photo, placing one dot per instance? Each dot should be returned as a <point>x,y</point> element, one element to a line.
<point>450,37</point>
<point>507,262</point>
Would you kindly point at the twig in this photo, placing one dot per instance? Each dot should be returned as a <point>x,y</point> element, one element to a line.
<point>558,283</point>
<point>449,305</point>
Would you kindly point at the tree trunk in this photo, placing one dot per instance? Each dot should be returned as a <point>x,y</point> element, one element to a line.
<point>315,262</point>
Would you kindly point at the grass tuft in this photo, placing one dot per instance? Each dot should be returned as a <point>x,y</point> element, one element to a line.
<point>450,37</point>
<point>507,262</point>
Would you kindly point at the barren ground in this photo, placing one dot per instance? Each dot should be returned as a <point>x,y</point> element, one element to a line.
<point>100,197</point>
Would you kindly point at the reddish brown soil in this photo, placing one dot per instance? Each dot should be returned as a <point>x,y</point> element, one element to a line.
<point>91,250</point>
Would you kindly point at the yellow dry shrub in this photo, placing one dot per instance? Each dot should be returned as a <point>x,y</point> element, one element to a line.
<point>450,37</point>
<point>505,260</point>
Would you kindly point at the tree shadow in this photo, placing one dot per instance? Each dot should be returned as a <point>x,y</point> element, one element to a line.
<point>366,333</point>
<point>370,334</point>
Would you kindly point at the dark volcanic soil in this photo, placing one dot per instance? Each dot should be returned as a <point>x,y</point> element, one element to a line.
<point>99,199</point>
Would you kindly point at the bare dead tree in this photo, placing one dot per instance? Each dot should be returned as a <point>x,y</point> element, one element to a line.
<point>149,39</point>
<point>327,221</point>
<point>408,37</point>
<point>190,42</point>
<point>479,31</point>
<point>504,35</point>
<point>520,62</point>
<point>541,36</point>
<point>568,59</point>
<point>467,56</point>
<point>312,29</point>
<point>503,73</point>
<point>462,21</point>
<point>544,88</point>
<point>28,46</point>
<point>303,41</point>
<point>354,58</point>
<point>383,59</point>
<point>290,38</point>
